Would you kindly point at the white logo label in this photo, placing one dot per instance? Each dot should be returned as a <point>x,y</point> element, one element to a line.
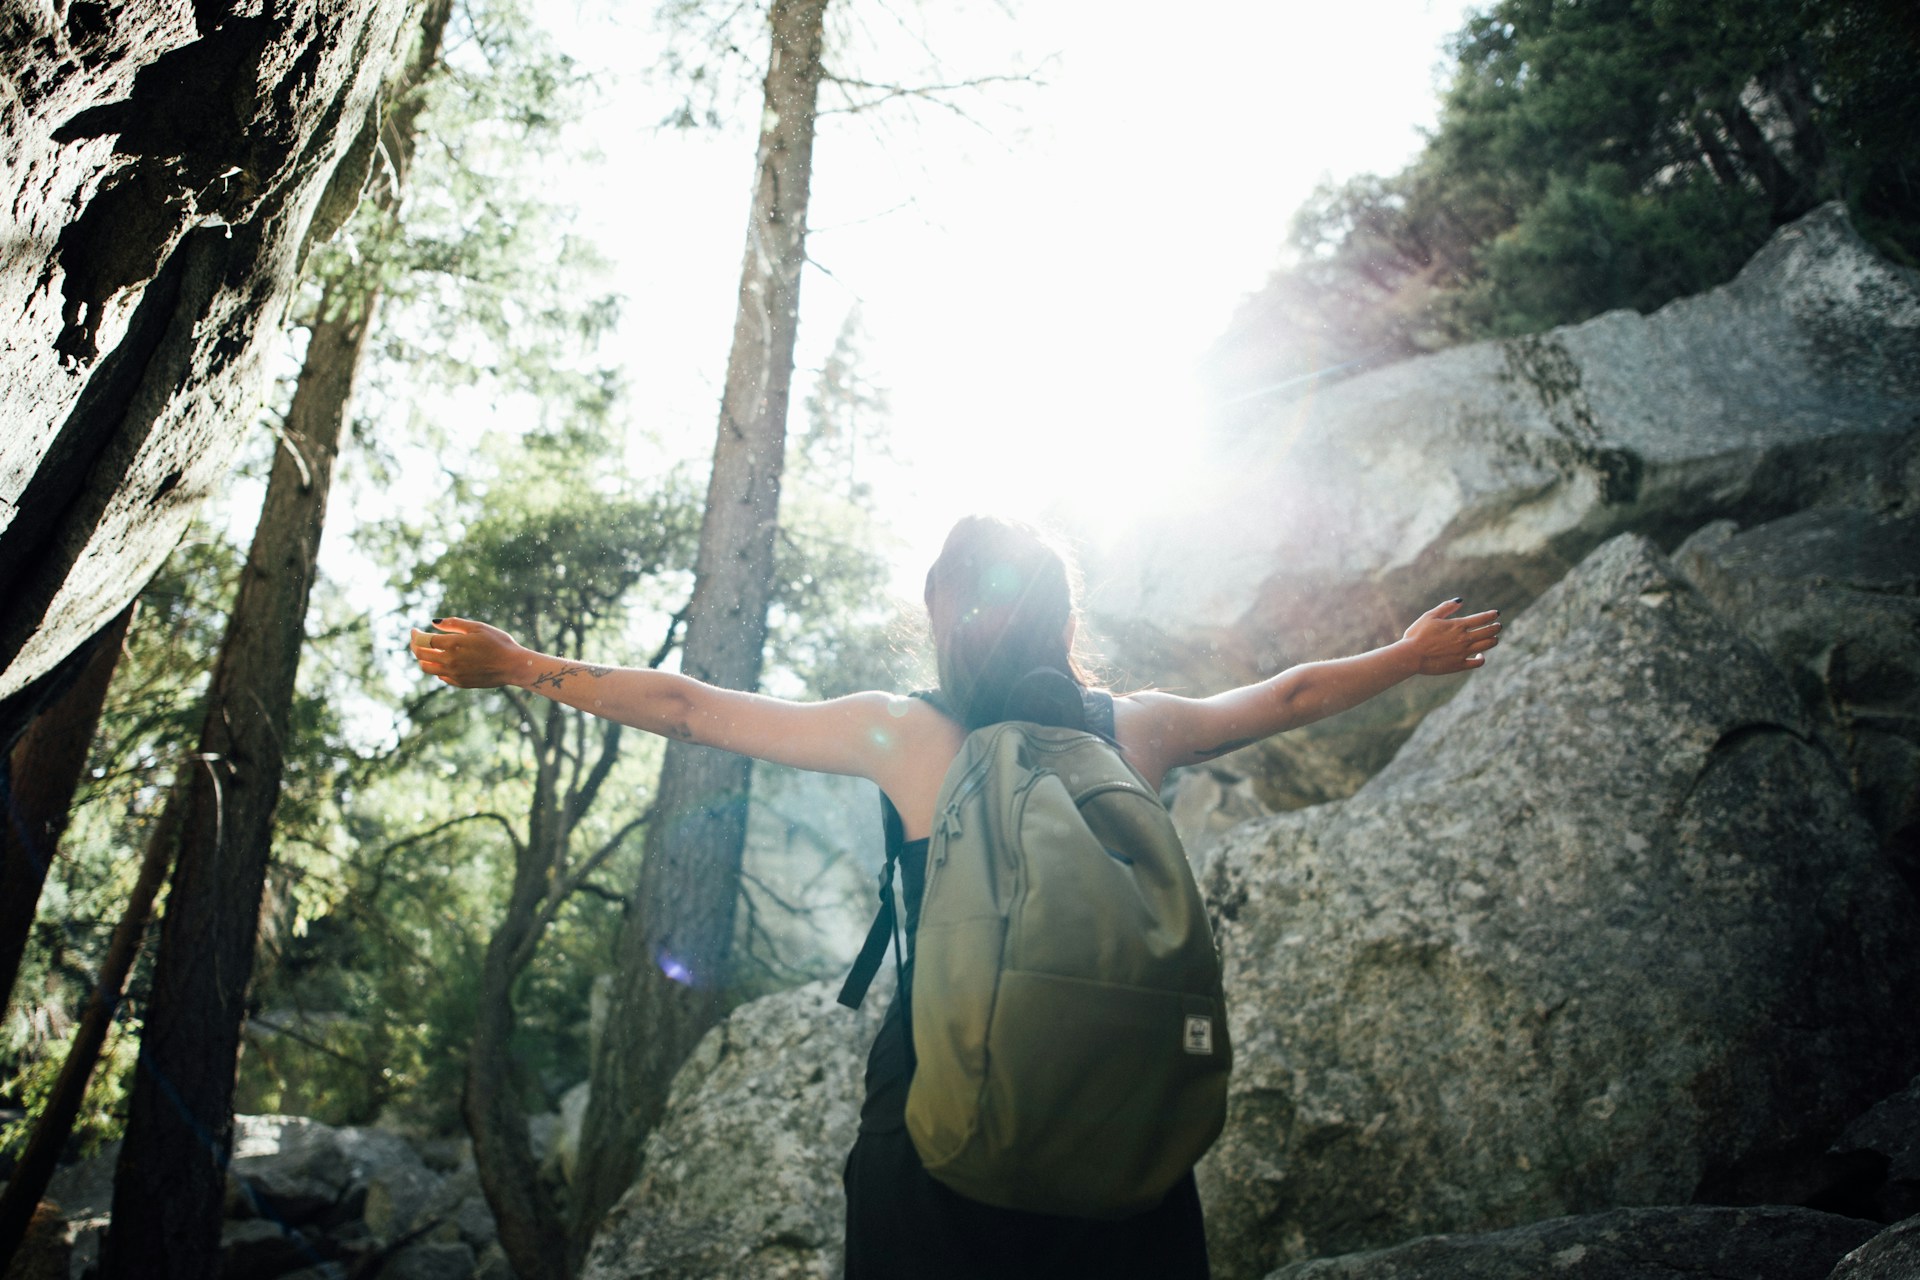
<point>1199,1034</point>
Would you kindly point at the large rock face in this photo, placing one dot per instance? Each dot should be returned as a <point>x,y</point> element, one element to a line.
<point>1487,471</point>
<point>163,167</point>
<point>1608,927</point>
<point>742,1178</point>
<point>813,846</point>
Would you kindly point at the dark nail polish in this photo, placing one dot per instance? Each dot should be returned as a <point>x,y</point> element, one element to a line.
<point>1455,600</point>
<point>436,622</point>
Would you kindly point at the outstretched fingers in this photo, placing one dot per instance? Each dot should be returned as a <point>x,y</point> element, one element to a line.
<point>431,649</point>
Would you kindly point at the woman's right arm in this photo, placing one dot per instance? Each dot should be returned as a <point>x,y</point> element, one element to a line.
<point>1164,731</point>
<point>862,734</point>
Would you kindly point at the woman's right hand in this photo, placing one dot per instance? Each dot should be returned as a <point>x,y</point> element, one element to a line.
<point>469,655</point>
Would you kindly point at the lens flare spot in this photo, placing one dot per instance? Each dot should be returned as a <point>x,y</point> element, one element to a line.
<point>671,965</point>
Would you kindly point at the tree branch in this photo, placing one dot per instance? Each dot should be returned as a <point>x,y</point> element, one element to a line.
<point>885,93</point>
<point>748,878</point>
<point>563,889</point>
<point>672,640</point>
<point>582,800</point>
<point>512,835</point>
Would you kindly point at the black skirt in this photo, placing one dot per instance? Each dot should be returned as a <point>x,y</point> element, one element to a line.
<point>902,1224</point>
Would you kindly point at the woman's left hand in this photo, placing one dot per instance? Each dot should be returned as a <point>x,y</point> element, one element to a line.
<point>1447,641</point>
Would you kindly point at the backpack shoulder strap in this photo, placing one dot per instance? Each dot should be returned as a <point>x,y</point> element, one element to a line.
<point>1099,708</point>
<point>886,921</point>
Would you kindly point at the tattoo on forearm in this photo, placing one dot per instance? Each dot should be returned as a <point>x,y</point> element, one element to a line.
<point>555,679</point>
<point>1225,747</point>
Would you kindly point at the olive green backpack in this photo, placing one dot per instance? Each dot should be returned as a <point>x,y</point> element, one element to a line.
<point>1067,1012</point>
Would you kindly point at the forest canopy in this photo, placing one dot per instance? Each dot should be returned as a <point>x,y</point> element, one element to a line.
<point>1591,155</point>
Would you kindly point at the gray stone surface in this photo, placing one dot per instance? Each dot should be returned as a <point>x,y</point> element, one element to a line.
<point>287,1168</point>
<point>1766,1243</point>
<point>295,1170</point>
<point>742,1179</point>
<point>256,1249</point>
<point>431,1260</point>
<point>1894,1254</point>
<point>84,1192</point>
<point>1488,470</point>
<point>1833,595</point>
<point>1608,924</point>
<point>1206,803</point>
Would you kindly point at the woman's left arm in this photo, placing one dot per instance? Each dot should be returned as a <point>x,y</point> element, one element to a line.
<point>1172,731</point>
<point>857,734</point>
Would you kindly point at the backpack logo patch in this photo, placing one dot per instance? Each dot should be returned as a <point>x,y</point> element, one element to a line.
<point>1199,1038</point>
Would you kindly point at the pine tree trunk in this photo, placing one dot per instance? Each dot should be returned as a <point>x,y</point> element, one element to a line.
<point>673,957</point>
<point>531,1233</point>
<point>54,1125</point>
<point>170,1182</point>
<point>43,772</point>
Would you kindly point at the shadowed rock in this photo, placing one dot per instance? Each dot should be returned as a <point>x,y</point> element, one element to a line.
<point>1894,1254</point>
<point>1768,1243</point>
<point>165,165</point>
<point>1834,596</point>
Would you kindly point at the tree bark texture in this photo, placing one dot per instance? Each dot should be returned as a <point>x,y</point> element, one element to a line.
<point>171,1178</point>
<point>43,771</point>
<point>531,1232</point>
<point>165,165</point>
<point>673,956</point>
<point>54,1125</point>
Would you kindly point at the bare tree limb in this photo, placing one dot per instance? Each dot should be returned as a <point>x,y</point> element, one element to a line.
<point>580,801</point>
<point>885,93</point>
<point>563,888</point>
<point>748,878</point>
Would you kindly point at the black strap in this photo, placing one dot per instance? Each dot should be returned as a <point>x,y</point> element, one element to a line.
<point>886,922</point>
<point>1098,705</point>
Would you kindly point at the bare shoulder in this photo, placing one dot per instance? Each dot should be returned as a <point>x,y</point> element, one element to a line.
<point>1146,723</point>
<point>916,744</point>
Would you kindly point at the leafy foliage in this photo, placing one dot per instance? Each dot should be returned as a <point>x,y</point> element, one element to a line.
<point>1594,154</point>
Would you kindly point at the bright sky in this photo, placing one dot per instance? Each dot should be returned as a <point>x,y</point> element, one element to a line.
<point>1036,281</point>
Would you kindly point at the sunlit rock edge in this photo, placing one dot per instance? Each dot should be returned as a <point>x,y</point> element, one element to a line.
<point>1489,470</point>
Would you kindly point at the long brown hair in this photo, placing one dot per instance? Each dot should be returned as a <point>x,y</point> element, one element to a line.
<point>999,598</point>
